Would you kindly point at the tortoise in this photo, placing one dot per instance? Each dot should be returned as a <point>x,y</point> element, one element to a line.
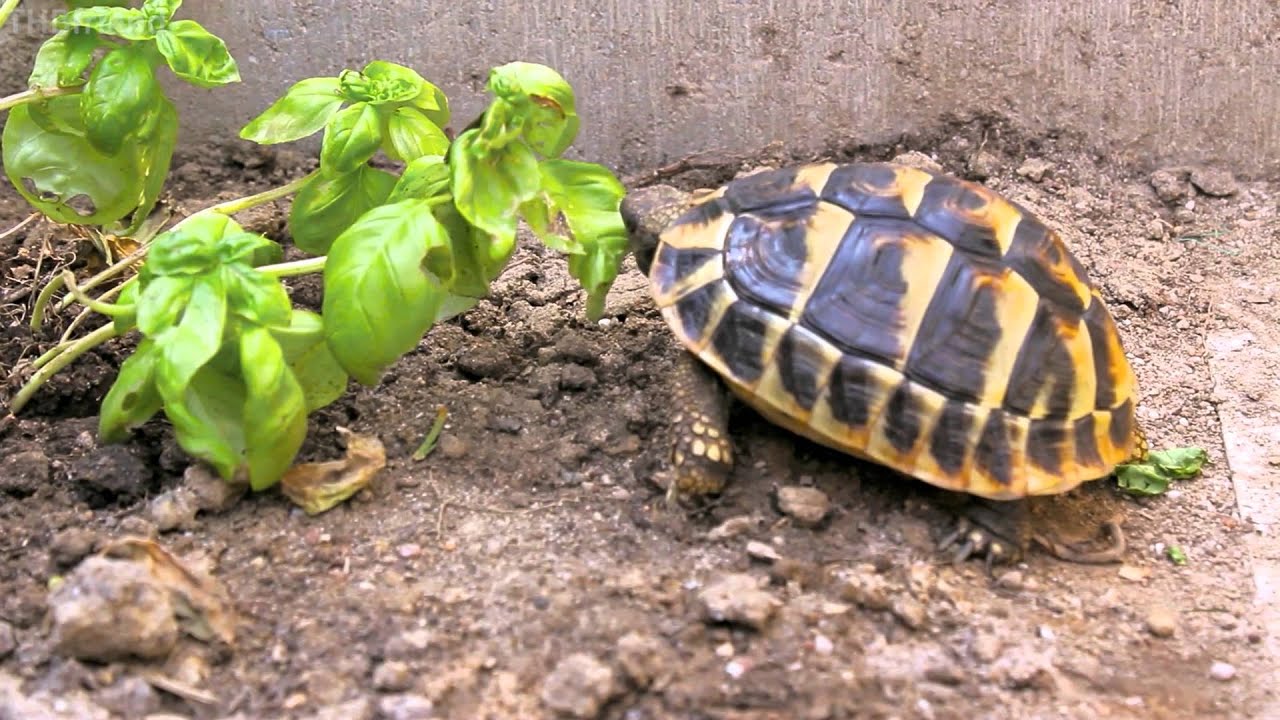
<point>902,316</point>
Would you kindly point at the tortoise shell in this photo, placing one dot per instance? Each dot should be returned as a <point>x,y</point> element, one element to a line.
<point>914,319</point>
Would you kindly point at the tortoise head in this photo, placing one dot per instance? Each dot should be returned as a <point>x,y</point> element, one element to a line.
<point>647,212</point>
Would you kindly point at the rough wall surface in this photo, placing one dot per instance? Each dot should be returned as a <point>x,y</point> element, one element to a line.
<point>1153,82</point>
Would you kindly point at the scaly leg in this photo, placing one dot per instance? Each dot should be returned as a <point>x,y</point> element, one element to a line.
<point>701,454</point>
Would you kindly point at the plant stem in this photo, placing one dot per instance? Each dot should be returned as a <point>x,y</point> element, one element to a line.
<point>68,356</point>
<point>27,96</point>
<point>6,10</point>
<point>296,267</point>
<point>232,207</point>
<point>102,308</point>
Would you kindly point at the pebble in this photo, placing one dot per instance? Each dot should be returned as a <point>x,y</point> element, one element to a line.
<point>734,527</point>
<point>983,165</point>
<point>580,685</point>
<point>806,505</point>
<point>1011,580</point>
<point>1034,169</point>
<point>919,160</point>
<point>1170,186</point>
<point>1222,671</point>
<point>867,589</point>
<point>762,551</point>
<point>131,697</point>
<point>392,676</point>
<point>643,657</point>
<point>69,546</point>
<point>986,647</point>
<point>24,473</point>
<point>823,645</point>
<point>113,470</point>
<point>1214,182</point>
<point>577,377</point>
<point>173,510</point>
<point>409,550</point>
<point>1162,621</point>
<point>909,611</point>
<point>1155,230</point>
<point>109,609</point>
<point>211,493</point>
<point>737,598</point>
<point>452,446</point>
<point>357,709</point>
<point>405,707</point>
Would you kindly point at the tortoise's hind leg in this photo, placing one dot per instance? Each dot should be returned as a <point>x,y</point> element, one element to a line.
<point>701,454</point>
<point>998,531</point>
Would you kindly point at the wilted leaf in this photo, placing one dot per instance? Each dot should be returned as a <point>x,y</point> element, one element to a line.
<point>317,487</point>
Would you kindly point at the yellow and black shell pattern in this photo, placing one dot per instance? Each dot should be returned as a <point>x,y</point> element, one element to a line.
<point>911,318</point>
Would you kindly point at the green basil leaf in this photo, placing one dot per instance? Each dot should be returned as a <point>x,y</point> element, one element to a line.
<point>275,410</point>
<point>490,185</point>
<point>191,247</point>
<point>255,296</point>
<point>410,135</point>
<point>545,100</point>
<point>161,302</point>
<point>160,11</point>
<point>476,258</point>
<point>304,109</point>
<point>62,175</point>
<point>588,196</point>
<point>121,90</point>
<point>392,83</point>
<point>127,23</point>
<point>207,417</point>
<point>73,4</point>
<point>63,58</point>
<point>351,137</point>
<point>546,222</point>
<point>133,398</point>
<point>321,375</point>
<point>1181,463</point>
<point>378,301</point>
<point>325,206</point>
<point>1142,479</point>
<point>196,338</point>
<point>425,178</point>
<point>433,103</point>
<point>196,55</point>
<point>155,146</point>
<point>249,248</point>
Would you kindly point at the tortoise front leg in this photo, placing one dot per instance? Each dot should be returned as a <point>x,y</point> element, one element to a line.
<point>701,454</point>
<point>1001,532</point>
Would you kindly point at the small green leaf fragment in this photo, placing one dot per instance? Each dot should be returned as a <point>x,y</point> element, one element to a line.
<point>351,137</point>
<point>1176,555</point>
<point>303,110</point>
<point>326,206</point>
<point>378,300</point>
<point>196,55</point>
<point>275,411</point>
<point>429,442</point>
<point>133,398</point>
<point>1182,462</point>
<point>1141,479</point>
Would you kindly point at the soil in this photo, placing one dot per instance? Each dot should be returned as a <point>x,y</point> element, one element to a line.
<point>528,568</point>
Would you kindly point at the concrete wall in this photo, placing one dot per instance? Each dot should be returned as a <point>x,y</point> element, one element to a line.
<point>1153,81</point>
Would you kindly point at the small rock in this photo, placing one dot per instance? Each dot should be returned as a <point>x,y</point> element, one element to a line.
<point>173,510</point>
<point>8,640</point>
<point>1011,580</point>
<point>112,470</point>
<point>762,551</point>
<point>1034,169</point>
<point>867,589</point>
<point>131,697</point>
<point>1162,621</point>
<point>24,473</point>
<point>69,546</point>
<point>738,598</point>
<point>983,165</point>
<point>405,707</point>
<point>1222,671</point>
<point>734,527</point>
<point>1133,573</point>
<point>1214,182</point>
<point>919,160</point>
<point>909,611</point>
<point>823,645</point>
<point>986,647</point>
<point>358,709</point>
<point>944,672</point>
<point>409,550</point>
<point>408,644</point>
<point>579,686</point>
<point>111,609</point>
<point>1155,230</point>
<point>1171,186</point>
<point>392,676</point>
<point>572,347</point>
<point>806,505</point>
<point>577,377</point>
<point>483,360</point>
<point>644,658</point>
<point>452,446</point>
<point>211,493</point>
